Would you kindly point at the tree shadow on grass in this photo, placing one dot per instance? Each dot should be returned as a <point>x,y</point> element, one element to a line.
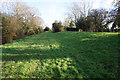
<point>87,55</point>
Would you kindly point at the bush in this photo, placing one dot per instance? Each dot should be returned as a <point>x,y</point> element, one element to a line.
<point>7,31</point>
<point>57,26</point>
<point>47,29</point>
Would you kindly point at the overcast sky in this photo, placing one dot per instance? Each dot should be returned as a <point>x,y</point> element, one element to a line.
<point>52,10</point>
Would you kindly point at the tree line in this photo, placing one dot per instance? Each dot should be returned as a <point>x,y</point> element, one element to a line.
<point>85,18</point>
<point>19,20</point>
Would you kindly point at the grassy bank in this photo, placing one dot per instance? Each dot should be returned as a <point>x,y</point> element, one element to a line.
<point>62,55</point>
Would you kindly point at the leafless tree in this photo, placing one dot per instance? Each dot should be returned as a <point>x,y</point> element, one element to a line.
<point>79,9</point>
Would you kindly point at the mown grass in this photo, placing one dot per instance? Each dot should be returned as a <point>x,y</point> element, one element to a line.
<point>62,55</point>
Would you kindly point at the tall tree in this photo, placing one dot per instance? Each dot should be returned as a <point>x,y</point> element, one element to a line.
<point>79,9</point>
<point>98,17</point>
<point>114,16</point>
<point>116,21</point>
<point>95,21</point>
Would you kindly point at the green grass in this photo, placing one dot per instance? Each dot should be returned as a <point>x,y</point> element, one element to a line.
<point>62,55</point>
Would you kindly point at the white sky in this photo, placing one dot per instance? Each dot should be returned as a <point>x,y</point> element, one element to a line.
<point>52,10</point>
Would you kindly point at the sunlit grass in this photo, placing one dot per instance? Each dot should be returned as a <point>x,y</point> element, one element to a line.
<point>62,55</point>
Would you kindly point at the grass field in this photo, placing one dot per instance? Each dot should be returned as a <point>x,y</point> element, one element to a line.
<point>62,55</point>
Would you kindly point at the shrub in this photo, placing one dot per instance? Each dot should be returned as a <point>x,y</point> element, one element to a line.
<point>7,31</point>
<point>57,26</point>
<point>47,29</point>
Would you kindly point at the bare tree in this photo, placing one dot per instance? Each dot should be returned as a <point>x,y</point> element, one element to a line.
<point>79,9</point>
